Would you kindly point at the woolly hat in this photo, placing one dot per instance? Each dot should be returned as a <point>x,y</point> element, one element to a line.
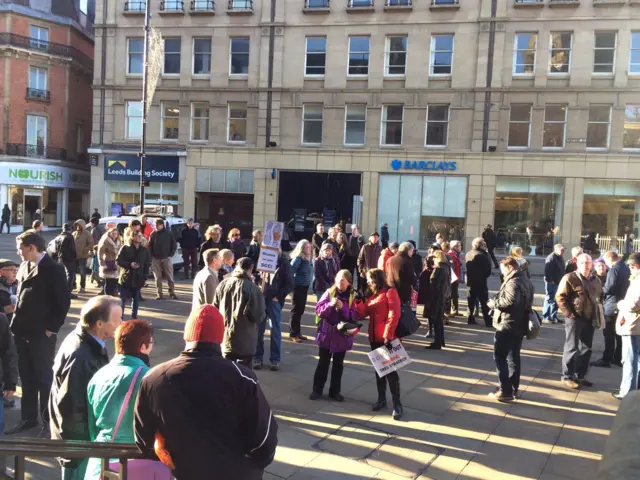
<point>205,324</point>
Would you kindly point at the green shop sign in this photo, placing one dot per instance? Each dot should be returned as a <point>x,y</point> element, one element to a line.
<point>36,175</point>
<point>13,173</point>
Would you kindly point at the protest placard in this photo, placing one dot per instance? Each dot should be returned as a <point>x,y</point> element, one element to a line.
<point>273,234</point>
<point>386,360</point>
<point>268,260</point>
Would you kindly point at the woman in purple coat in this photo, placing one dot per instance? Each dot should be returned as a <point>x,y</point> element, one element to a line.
<point>336,306</point>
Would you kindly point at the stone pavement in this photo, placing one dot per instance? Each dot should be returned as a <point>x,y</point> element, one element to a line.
<point>451,429</point>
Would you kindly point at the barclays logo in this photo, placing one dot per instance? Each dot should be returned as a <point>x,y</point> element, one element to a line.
<point>423,165</point>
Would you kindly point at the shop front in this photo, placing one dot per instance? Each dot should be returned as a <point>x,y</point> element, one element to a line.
<point>122,183</point>
<point>54,194</point>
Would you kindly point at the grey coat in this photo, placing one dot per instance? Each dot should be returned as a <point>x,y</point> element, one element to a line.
<point>512,304</point>
<point>241,303</point>
<point>204,287</point>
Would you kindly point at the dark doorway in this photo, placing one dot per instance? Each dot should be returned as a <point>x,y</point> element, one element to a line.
<point>315,192</point>
<point>229,210</point>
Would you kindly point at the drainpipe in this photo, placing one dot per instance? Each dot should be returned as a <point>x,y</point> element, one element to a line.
<point>103,62</point>
<point>272,39</point>
<point>487,93</point>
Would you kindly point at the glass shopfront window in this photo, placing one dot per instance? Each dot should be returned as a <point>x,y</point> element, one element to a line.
<point>611,211</point>
<point>125,195</point>
<point>528,213</point>
<point>419,207</point>
<point>26,203</point>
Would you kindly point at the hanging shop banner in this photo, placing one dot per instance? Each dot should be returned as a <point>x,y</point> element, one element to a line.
<point>268,260</point>
<point>273,234</point>
<point>126,168</point>
<point>43,175</point>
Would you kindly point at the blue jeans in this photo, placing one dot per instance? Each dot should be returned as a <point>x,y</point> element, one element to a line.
<point>577,348</point>
<point>274,312</point>
<point>133,293</point>
<point>550,307</point>
<point>630,364</point>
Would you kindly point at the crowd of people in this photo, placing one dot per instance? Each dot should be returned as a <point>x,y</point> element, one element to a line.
<point>79,394</point>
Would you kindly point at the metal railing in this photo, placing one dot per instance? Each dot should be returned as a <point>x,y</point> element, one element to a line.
<point>399,3</point>
<point>172,6</point>
<point>360,3</point>
<point>240,5</point>
<point>37,151</point>
<point>29,447</point>
<point>135,6</point>
<point>202,6</point>
<point>529,1</point>
<point>38,94</point>
<point>51,48</point>
<point>438,3</point>
<point>311,4</point>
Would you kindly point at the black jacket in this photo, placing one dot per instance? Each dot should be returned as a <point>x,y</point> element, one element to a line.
<point>356,244</point>
<point>616,286</point>
<point>8,357</point>
<point>162,244</point>
<point>6,214</point>
<point>80,356</point>
<point>133,277</point>
<point>221,245</point>
<point>65,248</point>
<point>490,238</point>
<point>238,250</point>
<point>418,263</point>
<point>440,290</point>
<point>211,413</point>
<point>384,236</point>
<point>512,304</point>
<point>280,283</point>
<point>189,238</point>
<point>43,299</point>
<point>553,269</point>
<point>97,232</point>
<point>478,268</point>
<point>316,242</point>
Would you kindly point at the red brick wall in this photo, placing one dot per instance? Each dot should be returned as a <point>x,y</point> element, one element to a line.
<point>57,33</point>
<point>79,109</point>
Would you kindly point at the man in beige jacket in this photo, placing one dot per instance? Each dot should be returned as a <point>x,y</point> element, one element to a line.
<point>628,327</point>
<point>206,281</point>
<point>84,249</point>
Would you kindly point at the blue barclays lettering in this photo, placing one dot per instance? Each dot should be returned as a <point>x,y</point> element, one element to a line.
<point>424,165</point>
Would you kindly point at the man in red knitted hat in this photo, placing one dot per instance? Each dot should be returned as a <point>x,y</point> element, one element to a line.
<point>210,413</point>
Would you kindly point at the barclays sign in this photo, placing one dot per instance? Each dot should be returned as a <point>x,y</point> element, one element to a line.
<point>423,165</point>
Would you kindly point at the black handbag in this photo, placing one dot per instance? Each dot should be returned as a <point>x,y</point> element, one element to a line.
<point>408,323</point>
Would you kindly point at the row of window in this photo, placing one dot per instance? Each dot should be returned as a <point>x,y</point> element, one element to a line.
<point>392,121</point>
<point>395,55</point>
<point>554,132</point>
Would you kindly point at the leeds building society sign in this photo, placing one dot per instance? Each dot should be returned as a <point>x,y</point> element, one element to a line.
<point>429,165</point>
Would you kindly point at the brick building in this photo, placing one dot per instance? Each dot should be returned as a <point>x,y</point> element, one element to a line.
<point>45,124</point>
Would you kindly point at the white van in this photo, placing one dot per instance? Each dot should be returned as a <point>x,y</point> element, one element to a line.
<point>173,224</point>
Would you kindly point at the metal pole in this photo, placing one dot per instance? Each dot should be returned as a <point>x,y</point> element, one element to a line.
<point>272,34</point>
<point>145,80</point>
<point>487,94</point>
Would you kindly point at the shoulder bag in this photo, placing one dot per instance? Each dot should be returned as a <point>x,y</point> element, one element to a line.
<point>408,323</point>
<point>137,469</point>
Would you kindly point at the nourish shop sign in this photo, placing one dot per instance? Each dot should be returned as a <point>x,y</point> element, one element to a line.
<point>12,173</point>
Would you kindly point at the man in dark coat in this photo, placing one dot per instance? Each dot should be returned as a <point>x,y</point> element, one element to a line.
<point>368,259</point>
<point>8,287</point>
<point>5,219</point>
<point>553,273</point>
<point>162,247</point>
<point>190,243</point>
<point>8,378</point>
<point>81,355</point>
<point>489,238</point>
<point>400,272</point>
<point>97,230</point>
<point>96,214</point>
<point>318,239</point>
<point>205,413</point>
<point>614,290</point>
<point>385,235</point>
<point>275,288</point>
<point>134,261</point>
<point>41,308</point>
<point>64,252</point>
<point>478,268</point>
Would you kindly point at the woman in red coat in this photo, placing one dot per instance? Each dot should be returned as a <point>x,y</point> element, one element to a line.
<point>383,309</point>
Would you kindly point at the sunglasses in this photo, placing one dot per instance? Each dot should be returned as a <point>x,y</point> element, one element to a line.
<point>235,235</point>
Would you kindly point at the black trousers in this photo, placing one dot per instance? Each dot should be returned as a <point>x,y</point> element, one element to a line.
<point>245,360</point>
<point>454,300</point>
<point>506,354</point>
<point>298,304</point>
<point>111,286</point>
<point>70,270</point>
<point>2,224</point>
<point>495,260</point>
<point>190,258</point>
<point>322,371</point>
<point>612,341</point>
<point>35,365</point>
<point>479,293</point>
<point>436,321</point>
<point>381,382</point>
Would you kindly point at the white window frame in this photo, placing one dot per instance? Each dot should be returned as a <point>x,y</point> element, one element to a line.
<point>426,128</point>
<point>383,130</point>
<point>246,118</point>
<point>518,121</point>
<point>568,72</point>
<point>563,123</point>
<point>630,149</point>
<point>631,50</point>
<point>589,122</point>
<point>321,121</point>
<point>615,54</point>
<point>37,118</point>
<point>206,119</point>
<point>388,52</point>
<point>164,74</point>
<point>239,75</point>
<point>194,53</point>
<point>432,53</point>
<point>129,73</point>
<point>306,56</point>
<point>358,75</point>
<point>162,118</point>
<point>516,51</point>
<point>38,71</point>
<point>127,118</point>
<point>364,139</point>
<point>37,41</point>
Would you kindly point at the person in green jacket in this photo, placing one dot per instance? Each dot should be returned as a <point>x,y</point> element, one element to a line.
<point>107,391</point>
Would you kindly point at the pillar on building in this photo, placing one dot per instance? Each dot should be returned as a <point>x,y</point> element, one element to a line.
<point>65,205</point>
<point>613,216</point>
